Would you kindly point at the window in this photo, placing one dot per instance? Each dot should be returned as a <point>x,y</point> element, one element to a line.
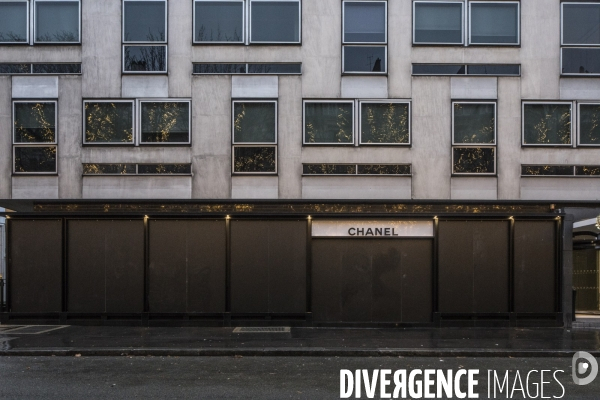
<point>474,138</point>
<point>164,122</point>
<point>144,36</point>
<point>547,124</point>
<point>443,22</point>
<point>254,137</point>
<point>52,22</point>
<point>589,124</point>
<point>580,39</point>
<point>247,21</point>
<point>248,68</point>
<point>380,122</point>
<point>561,170</point>
<point>356,169</point>
<point>55,69</point>
<point>34,137</point>
<point>467,69</point>
<point>108,122</point>
<point>364,37</point>
<point>137,169</point>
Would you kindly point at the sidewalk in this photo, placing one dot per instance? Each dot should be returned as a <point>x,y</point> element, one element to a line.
<point>326,342</point>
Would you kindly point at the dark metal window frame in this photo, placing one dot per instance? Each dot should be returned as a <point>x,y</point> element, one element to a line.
<point>53,144</point>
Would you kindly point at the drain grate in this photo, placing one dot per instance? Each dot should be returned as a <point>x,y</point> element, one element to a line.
<point>270,329</point>
<point>31,329</point>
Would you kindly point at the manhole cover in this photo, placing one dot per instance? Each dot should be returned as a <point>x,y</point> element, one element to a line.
<point>274,329</point>
<point>32,329</point>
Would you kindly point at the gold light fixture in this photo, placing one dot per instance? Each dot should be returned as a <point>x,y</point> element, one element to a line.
<point>598,222</point>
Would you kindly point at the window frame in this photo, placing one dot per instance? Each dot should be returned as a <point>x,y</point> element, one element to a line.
<point>344,72</point>
<point>234,146</point>
<point>248,22</point>
<point>133,123</point>
<point>344,2</point>
<point>244,26</point>
<point>470,17</point>
<point>124,42</point>
<point>573,123</point>
<point>578,122</point>
<point>414,25</point>
<point>317,101</point>
<point>53,144</point>
<point>34,20</point>
<point>384,101</point>
<point>576,73</point>
<point>28,18</point>
<point>475,174</point>
<point>564,45</point>
<point>165,71</point>
<point>138,121</point>
<point>260,144</point>
<point>495,104</point>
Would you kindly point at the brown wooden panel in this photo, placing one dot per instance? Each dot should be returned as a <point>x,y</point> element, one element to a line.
<point>491,265</point>
<point>473,266</point>
<point>35,273</point>
<point>187,266</point>
<point>268,266</point>
<point>455,267</point>
<point>370,280</point>
<point>105,266</point>
<point>535,266</point>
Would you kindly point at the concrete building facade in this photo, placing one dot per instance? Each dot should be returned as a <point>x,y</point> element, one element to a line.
<point>534,164</point>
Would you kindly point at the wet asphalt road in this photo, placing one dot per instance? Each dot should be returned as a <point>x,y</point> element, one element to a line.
<point>238,377</point>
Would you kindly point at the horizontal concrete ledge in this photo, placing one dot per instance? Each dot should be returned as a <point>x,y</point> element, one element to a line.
<point>291,352</point>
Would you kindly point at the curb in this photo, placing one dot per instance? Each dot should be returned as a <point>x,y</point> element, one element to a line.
<point>288,352</point>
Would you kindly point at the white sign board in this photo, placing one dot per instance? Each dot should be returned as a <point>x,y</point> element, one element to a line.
<point>366,228</point>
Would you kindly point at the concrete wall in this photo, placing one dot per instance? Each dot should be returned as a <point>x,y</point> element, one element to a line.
<point>320,54</point>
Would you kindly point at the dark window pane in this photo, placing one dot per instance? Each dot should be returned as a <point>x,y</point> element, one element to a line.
<point>13,22</point>
<point>35,122</point>
<point>474,160</point>
<point>328,123</point>
<point>508,69</point>
<point>160,169</point>
<point>588,170</point>
<point>254,159</point>
<point>495,23</point>
<point>219,68</point>
<point>438,69</point>
<point>56,68</point>
<point>145,58</point>
<point>364,59</point>
<point>581,23</point>
<point>547,170</point>
<point>254,122</point>
<point>275,68</point>
<point>474,123</point>
<point>108,169</point>
<point>547,124</point>
<point>384,169</point>
<point>581,61</point>
<point>364,22</point>
<point>35,159</point>
<point>384,123</point>
<point>275,21</point>
<point>328,169</point>
<point>165,122</point>
<point>144,21</point>
<point>108,122</point>
<point>438,23</point>
<point>57,21</point>
<point>219,21</point>
<point>589,124</point>
<point>15,68</point>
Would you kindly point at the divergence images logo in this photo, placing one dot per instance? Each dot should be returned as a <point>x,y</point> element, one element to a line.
<point>584,363</point>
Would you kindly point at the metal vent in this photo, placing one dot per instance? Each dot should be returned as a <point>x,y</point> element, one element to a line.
<point>30,329</point>
<point>273,329</point>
